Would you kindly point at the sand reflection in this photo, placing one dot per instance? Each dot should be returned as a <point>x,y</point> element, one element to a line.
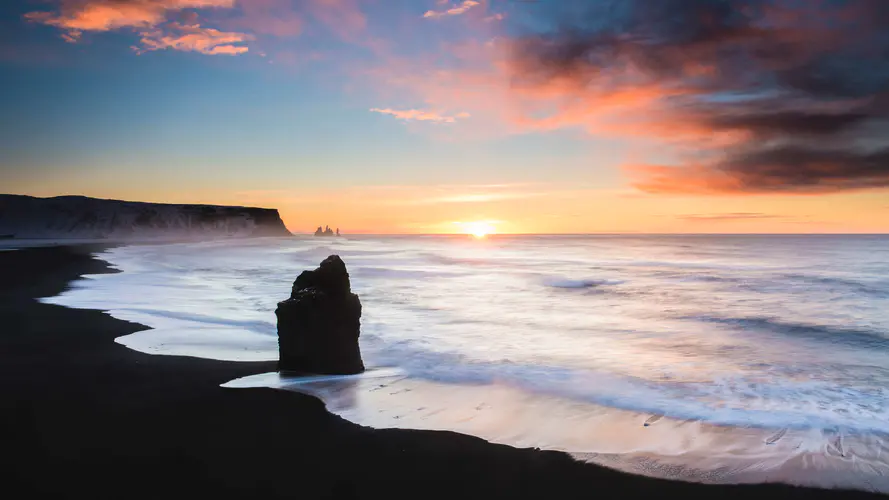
<point>637,442</point>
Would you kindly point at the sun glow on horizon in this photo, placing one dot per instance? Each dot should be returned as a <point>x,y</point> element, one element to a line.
<point>478,229</point>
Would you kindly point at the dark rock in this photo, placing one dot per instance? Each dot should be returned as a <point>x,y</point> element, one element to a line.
<point>331,277</point>
<point>318,326</point>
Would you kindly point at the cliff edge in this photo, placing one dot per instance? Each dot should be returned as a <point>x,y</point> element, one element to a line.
<point>80,217</point>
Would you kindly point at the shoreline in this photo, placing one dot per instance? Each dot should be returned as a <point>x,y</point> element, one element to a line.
<point>652,445</point>
<point>86,413</point>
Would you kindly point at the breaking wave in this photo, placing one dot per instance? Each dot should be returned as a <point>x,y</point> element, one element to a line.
<point>835,335</point>
<point>584,283</point>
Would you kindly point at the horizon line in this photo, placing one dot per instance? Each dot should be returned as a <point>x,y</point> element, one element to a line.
<point>628,233</point>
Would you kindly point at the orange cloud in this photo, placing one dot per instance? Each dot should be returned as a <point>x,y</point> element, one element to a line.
<point>785,170</point>
<point>78,16</point>
<point>149,19</point>
<point>697,179</point>
<point>753,102</point>
<point>194,38</point>
<point>420,115</point>
<point>155,21</point>
<point>741,107</point>
<point>453,11</point>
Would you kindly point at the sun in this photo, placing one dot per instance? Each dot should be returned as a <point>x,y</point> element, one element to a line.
<point>479,229</point>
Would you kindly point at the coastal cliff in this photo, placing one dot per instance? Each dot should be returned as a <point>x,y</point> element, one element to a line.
<point>80,217</point>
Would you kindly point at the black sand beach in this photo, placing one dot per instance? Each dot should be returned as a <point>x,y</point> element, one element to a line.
<point>85,416</point>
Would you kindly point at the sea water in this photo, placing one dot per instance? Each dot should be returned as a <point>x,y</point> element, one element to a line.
<point>738,357</point>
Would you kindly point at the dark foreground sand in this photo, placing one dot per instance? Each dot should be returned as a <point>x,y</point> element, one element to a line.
<point>83,416</point>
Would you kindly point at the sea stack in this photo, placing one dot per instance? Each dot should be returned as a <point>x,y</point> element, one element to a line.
<point>318,325</point>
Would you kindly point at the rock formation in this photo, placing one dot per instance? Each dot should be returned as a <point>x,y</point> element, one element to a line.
<point>318,325</point>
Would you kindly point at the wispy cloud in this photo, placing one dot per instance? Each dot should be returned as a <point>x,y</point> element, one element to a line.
<point>345,18</point>
<point>79,16</point>
<point>420,115</point>
<point>727,216</point>
<point>149,18</point>
<point>480,197</point>
<point>194,38</point>
<point>474,197</point>
<point>273,18</point>
<point>277,18</point>
<point>495,17</point>
<point>453,11</point>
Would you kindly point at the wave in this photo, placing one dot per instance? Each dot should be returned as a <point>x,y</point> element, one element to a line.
<point>343,248</point>
<point>879,289</point>
<point>457,261</point>
<point>314,252</point>
<point>684,265</point>
<point>518,335</point>
<point>264,327</point>
<point>651,444</point>
<point>583,283</point>
<point>695,277</point>
<point>731,400</point>
<point>390,273</point>
<point>835,335</point>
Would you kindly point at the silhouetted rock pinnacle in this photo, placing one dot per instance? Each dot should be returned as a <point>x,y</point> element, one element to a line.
<point>318,326</point>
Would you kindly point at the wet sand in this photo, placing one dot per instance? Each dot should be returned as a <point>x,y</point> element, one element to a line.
<point>641,443</point>
<point>83,415</point>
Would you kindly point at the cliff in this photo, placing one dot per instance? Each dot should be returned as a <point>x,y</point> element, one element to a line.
<point>64,217</point>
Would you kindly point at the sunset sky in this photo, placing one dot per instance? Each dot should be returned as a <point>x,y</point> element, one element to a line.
<point>426,116</point>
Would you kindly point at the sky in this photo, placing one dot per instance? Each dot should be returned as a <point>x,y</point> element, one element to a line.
<point>436,116</point>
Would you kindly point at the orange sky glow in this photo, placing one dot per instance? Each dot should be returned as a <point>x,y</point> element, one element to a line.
<point>457,117</point>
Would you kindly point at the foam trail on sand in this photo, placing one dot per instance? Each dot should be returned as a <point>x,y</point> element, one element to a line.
<point>281,380</point>
<point>687,449</point>
<point>652,419</point>
<point>775,437</point>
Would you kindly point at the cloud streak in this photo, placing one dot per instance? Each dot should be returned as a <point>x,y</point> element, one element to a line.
<point>453,11</point>
<point>149,18</point>
<point>78,16</point>
<point>752,96</point>
<point>194,38</point>
<point>727,216</point>
<point>477,197</point>
<point>420,115</point>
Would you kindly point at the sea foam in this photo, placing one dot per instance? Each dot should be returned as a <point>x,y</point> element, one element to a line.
<point>488,337</point>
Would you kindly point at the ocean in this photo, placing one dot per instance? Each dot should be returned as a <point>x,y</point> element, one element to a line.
<point>710,357</point>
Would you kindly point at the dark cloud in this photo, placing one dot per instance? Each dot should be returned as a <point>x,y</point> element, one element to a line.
<point>809,169</point>
<point>796,91</point>
<point>777,124</point>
